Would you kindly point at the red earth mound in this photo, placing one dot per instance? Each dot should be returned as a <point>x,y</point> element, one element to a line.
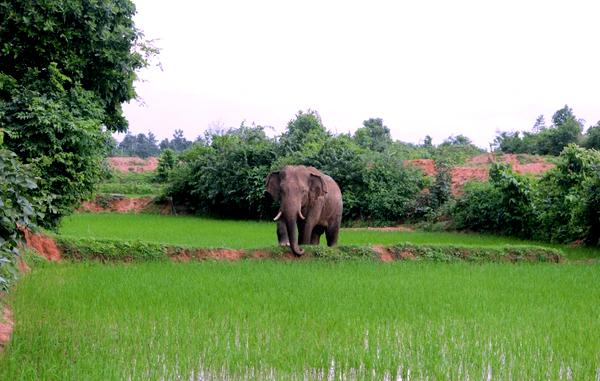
<point>133,164</point>
<point>117,204</point>
<point>476,168</point>
<point>44,245</point>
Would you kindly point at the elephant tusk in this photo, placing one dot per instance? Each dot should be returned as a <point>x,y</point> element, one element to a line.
<point>301,216</point>
<point>277,216</point>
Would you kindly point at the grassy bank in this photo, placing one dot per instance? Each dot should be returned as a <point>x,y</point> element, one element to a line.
<point>130,184</point>
<point>202,232</point>
<point>277,320</point>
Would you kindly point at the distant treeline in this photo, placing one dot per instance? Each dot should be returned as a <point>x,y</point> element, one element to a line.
<point>565,129</point>
<point>143,145</point>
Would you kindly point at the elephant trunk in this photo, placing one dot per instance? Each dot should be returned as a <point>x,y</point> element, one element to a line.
<point>290,215</point>
<point>293,236</point>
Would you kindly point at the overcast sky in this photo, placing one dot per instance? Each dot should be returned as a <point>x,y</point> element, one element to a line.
<point>426,67</point>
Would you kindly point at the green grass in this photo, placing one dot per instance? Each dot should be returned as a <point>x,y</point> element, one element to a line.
<point>202,232</point>
<point>305,320</point>
<point>130,184</point>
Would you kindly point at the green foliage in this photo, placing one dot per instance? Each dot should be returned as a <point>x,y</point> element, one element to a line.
<point>429,204</point>
<point>58,132</point>
<point>65,68</point>
<point>391,189</point>
<point>94,44</point>
<point>562,206</point>
<point>17,209</point>
<point>455,150</point>
<point>137,145</point>
<point>373,135</point>
<point>504,205</point>
<point>129,184</point>
<point>178,144</point>
<point>110,250</point>
<point>566,129</point>
<point>515,212</point>
<point>477,208</point>
<point>227,177</point>
<point>166,163</point>
<point>592,137</point>
<point>454,253</point>
<point>304,134</point>
<point>566,201</point>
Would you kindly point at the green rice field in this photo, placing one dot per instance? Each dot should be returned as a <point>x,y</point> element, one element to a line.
<point>202,232</point>
<point>315,320</point>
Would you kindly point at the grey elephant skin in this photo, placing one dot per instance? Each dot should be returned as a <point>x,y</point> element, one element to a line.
<point>311,204</point>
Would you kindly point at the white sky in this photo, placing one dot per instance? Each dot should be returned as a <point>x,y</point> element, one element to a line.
<point>433,67</point>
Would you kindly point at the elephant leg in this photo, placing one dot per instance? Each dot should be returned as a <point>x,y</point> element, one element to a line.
<point>315,237</point>
<point>332,233</point>
<point>282,235</point>
<point>306,233</point>
<point>302,233</point>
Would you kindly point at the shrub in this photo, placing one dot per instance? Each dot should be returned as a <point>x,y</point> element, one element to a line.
<point>166,163</point>
<point>566,202</point>
<point>17,209</point>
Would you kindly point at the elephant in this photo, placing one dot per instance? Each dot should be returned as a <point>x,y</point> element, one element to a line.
<point>310,201</point>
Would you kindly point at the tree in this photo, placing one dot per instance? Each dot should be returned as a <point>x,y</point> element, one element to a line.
<point>93,43</point>
<point>304,133</point>
<point>427,142</point>
<point>540,124</point>
<point>179,143</point>
<point>373,135</point>
<point>139,145</point>
<point>65,68</point>
<point>166,163</point>
<point>592,137</point>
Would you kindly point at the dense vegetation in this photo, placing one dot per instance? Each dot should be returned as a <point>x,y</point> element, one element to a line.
<point>565,129</point>
<point>562,206</point>
<point>224,173</point>
<point>66,67</point>
<point>305,320</point>
<point>17,210</point>
<point>143,145</point>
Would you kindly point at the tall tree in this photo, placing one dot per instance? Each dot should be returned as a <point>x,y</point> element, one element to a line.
<point>373,135</point>
<point>540,124</point>
<point>304,132</point>
<point>592,137</point>
<point>65,68</point>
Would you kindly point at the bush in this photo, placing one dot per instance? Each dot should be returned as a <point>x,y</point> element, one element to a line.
<point>227,177</point>
<point>566,201</point>
<point>17,209</point>
<point>504,205</point>
<point>563,206</point>
<point>166,164</point>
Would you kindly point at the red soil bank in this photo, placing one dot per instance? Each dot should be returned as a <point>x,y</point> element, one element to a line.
<point>44,245</point>
<point>133,164</point>
<point>426,165</point>
<point>476,168</point>
<point>118,204</point>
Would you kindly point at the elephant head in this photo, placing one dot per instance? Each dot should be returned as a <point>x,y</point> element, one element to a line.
<point>297,188</point>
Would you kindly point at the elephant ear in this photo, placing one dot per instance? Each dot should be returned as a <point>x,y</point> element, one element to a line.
<point>272,185</point>
<point>317,185</point>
